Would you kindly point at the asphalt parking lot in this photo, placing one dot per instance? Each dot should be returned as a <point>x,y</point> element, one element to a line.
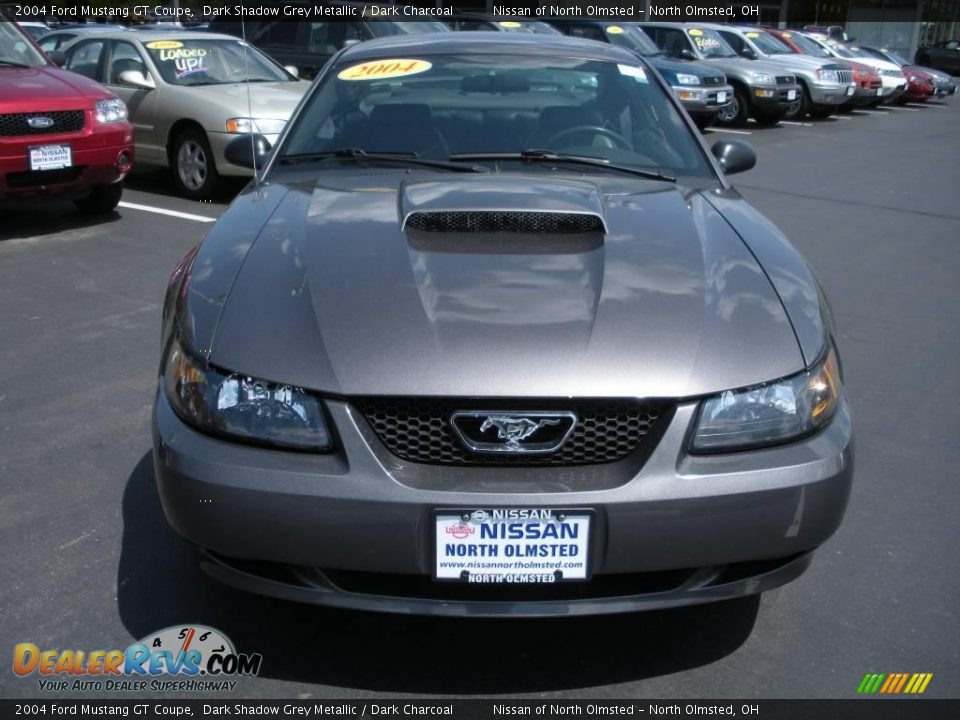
<point>872,199</point>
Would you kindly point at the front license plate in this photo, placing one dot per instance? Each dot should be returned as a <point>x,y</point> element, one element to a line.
<point>50,157</point>
<point>851,90</point>
<point>791,94</point>
<point>512,545</point>
<point>721,97</point>
<point>879,92</point>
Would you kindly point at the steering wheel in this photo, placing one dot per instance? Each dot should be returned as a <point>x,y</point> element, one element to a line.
<point>613,135</point>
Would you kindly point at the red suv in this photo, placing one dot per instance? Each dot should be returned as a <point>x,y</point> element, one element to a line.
<point>60,133</point>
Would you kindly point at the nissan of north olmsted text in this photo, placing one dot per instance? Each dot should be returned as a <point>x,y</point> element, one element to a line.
<point>493,335</point>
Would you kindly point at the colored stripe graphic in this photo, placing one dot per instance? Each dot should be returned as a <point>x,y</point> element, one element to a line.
<point>894,683</point>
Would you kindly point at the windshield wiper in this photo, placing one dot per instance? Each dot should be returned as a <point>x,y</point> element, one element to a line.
<point>550,156</point>
<point>11,63</point>
<point>358,154</point>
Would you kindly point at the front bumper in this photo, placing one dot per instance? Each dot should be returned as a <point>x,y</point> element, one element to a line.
<point>773,99</point>
<point>829,94</point>
<point>354,528</point>
<point>704,100</point>
<point>95,156</point>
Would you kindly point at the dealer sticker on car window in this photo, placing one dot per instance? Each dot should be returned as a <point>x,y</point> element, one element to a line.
<point>383,69</point>
<point>50,157</point>
<point>512,545</point>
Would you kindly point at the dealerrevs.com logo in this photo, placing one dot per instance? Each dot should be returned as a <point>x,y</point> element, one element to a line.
<point>178,658</point>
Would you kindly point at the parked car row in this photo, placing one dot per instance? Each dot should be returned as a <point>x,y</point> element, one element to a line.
<point>188,93</point>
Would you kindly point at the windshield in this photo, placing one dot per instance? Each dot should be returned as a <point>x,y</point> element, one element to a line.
<point>634,39</point>
<point>438,106</point>
<point>710,44</point>
<point>768,44</point>
<point>383,28</point>
<point>15,49</point>
<point>808,46</point>
<point>211,62</point>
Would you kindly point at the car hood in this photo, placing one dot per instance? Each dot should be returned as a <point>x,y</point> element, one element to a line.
<point>46,88</point>
<point>672,66</point>
<point>799,62</point>
<point>335,294</point>
<point>266,100</point>
<point>737,65</point>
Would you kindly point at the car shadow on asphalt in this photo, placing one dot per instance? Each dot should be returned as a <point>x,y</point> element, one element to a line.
<point>159,584</point>
<point>37,219</point>
<point>159,181</point>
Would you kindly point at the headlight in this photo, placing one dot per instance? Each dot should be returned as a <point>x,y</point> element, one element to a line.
<point>687,79</point>
<point>233,405</point>
<point>255,125</point>
<point>110,110</point>
<point>762,78</point>
<point>769,414</point>
<point>830,76</point>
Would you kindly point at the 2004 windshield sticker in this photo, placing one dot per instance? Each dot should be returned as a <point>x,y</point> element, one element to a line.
<point>186,60</point>
<point>384,69</point>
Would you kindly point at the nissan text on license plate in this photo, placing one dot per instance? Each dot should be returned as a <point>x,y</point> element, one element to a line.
<point>50,157</point>
<point>512,545</point>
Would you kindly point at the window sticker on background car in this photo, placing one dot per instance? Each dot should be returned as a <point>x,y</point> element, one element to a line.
<point>186,60</point>
<point>696,33</point>
<point>165,45</point>
<point>753,35</point>
<point>380,69</point>
<point>614,29</point>
<point>637,73</point>
<point>706,43</point>
<point>509,24</point>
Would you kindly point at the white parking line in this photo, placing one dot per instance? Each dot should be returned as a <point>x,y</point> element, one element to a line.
<point>842,117</point>
<point>735,132</point>
<point>897,107</point>
<point>935,107</point>
<point>171,213</point>
<point>799,124</point>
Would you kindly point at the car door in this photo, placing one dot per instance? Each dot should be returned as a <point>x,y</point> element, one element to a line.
<point>950,56</point>
<point>142,103</point>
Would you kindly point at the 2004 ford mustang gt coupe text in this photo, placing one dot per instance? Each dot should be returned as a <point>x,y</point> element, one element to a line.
<point>494,336</point>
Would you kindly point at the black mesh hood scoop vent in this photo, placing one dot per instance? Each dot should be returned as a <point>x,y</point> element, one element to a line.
<point>503,221</point>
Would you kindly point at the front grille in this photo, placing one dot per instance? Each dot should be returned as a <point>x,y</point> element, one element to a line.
<point>39,178</point>
<point>718,80</point>
<point>504,221</point>
<point>419,430</point>
<point>785,80</point>
<point>64,121</point>
<point>845,76</point>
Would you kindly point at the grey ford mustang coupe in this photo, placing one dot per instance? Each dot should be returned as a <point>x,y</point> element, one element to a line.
<point>493,335</point>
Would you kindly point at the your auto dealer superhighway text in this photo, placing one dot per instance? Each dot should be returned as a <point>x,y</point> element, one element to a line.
<point>321,710</point>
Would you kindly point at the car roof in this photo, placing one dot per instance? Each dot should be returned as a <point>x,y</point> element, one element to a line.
<point>154,35</point>
<point>486,43</point>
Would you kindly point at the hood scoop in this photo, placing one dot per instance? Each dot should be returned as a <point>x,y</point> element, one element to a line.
<point>504,221</point>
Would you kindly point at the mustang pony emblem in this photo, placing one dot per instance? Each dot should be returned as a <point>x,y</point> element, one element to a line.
<point>515,429</point>
<point>545,431</point>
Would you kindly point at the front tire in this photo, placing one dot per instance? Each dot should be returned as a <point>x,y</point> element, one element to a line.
<point>799,110</point>
<point>737,112</point>
<point>821,112</point>
<point>102,200</point>
<point>194,169</point>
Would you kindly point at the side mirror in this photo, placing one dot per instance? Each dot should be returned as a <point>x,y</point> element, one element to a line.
<point>57,57</point>
<point>293,70</point>
<point>734,156</point>
<point>246,151</point>
<point>137,79</point>
<point>748,53</point>
<point>688,54</point>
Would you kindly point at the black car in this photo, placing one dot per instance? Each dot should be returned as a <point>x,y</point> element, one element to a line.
<point>308,45</point>
<point>942,56</point>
